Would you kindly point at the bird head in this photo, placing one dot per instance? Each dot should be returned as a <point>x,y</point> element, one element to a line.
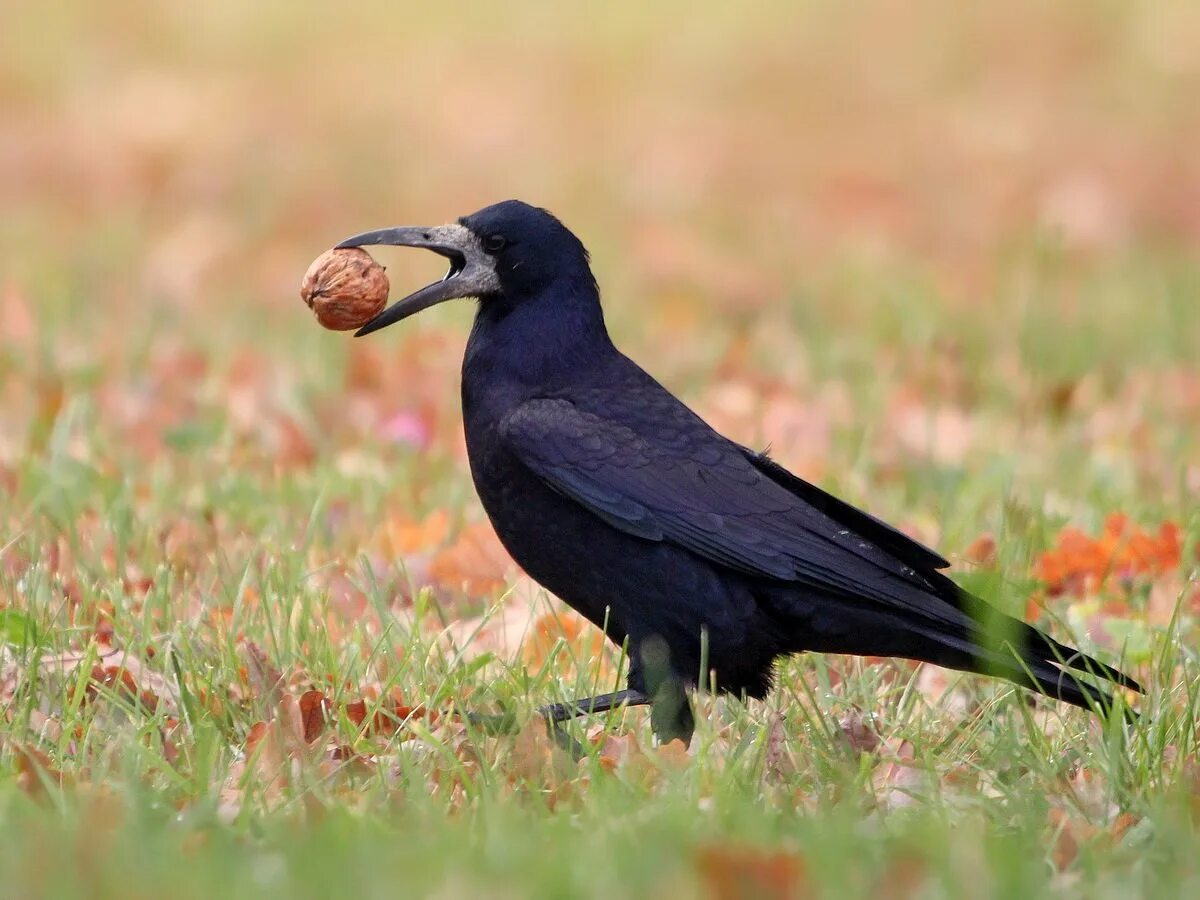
<point>508,250</point>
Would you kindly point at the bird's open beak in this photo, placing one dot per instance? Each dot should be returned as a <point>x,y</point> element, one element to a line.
<point>472,272</point>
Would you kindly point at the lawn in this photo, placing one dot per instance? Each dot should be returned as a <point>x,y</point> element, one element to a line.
<point>943,260</point>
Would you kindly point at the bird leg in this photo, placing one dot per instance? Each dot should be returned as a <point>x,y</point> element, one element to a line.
<point>670,716</point>
<point>560,712</point>
<point>557,713</point>
<point>670,712</point>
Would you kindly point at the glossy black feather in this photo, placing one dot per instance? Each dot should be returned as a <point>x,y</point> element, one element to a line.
<point>613,494</point>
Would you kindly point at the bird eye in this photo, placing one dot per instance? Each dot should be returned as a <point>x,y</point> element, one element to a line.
<point>494,243</point>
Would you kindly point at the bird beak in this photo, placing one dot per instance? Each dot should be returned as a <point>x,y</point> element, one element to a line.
<point>472,271</point>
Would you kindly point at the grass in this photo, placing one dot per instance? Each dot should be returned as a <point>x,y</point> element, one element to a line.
<point>245,586</point>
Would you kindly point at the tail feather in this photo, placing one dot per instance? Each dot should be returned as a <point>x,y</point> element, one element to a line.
<point>975,638</point>
<point>1048,665</point>
<point>1040,663</point>
<point>1063,685</point>
<point>1064,655</point>
<point>1055,675</point>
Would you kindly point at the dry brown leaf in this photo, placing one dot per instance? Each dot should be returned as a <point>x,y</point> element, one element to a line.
<point>859,732</point>
<point>475,563</point>
<point>1081,565</point>
<point>1067,837</point>
<point>120,681</point>
<point>35,769</point>
<point>356,712</point>
<point>266,681</point>
<point>117,671</point>
<point>401,536</point>
<point>1090,790</point>
<point>776,760</point>
<point>617,749</point>
<point>389,717</point>
<point>17,321</point>
<point>673,755</point>
<point>266,764</point>
<point>903,878</point>
<point>312,714</point>
<point>982,551</point>
<point>898,779</point>
<point>255,736</point>
<point>289,722</point>
<point>585,641</point>
<point>1121,824</point>
<point>537,760</point>
<point>740,873</point>
<point>290,445</point>
<point>532,751</point>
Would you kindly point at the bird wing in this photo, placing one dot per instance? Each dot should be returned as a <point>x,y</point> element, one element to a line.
<point>664,475</point>
<point>879,532</point>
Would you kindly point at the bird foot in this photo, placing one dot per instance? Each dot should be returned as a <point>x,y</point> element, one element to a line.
<point>556,714</point>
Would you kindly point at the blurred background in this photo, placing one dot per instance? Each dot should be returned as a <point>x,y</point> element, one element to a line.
<point>943,257</point>
<point>884,236</point>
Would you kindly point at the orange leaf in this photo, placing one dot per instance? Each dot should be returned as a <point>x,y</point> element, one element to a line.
<point>586,641</point>
<point>616,749</point>
<point>356,712</point>
<point>255,735</point>
<point>674,755</point>
<point>475,563</point>
<point>312,714</point>
<point>1069,835</point>
<point>402,536</point>
<point>982,551</point>
<point>1121,824</point>
<point>1080,565</point>
<point>733,873</point>
<point>264,678</point>
<point>859,733</point>
<point>34,769</point>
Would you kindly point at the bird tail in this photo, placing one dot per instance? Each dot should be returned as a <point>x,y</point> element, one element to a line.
<point>1002,646</point>
<point>965,633</point>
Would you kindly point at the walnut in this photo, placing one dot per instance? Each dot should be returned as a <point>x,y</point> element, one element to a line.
<point>345,288</point>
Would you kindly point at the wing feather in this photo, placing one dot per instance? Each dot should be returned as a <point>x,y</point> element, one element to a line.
<point>703,493</point>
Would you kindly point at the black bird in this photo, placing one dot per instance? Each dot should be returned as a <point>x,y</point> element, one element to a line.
<point>709,558</point>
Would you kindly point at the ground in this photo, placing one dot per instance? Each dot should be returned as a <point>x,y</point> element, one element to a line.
<point>943,260</point>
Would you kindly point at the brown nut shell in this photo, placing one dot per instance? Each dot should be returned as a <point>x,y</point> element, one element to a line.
<point>345,288</point>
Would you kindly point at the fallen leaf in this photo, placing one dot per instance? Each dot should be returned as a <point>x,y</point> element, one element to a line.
<point>982,551</point>
<point>776,760</point>
<point>312,714</point>
<point>265,680</point>
<point>617,749</point>
<point>859,733</point>
<point>673,755</point>
<point>1082,566</point>
<point>584,640</point>
<point>475,563</point>
<point>903,878</point>
<point>898,779</point>
<point>35,770</point>
<point>739,873</point>
<point>1068,834</point>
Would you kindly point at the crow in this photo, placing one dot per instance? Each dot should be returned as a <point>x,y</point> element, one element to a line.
<point>710,559</point>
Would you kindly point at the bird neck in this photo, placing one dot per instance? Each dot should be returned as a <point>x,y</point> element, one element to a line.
<point>539,340</point>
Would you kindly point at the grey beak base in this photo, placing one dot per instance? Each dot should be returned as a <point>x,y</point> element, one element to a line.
<point>473,273</point>
<point>402,236</point>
